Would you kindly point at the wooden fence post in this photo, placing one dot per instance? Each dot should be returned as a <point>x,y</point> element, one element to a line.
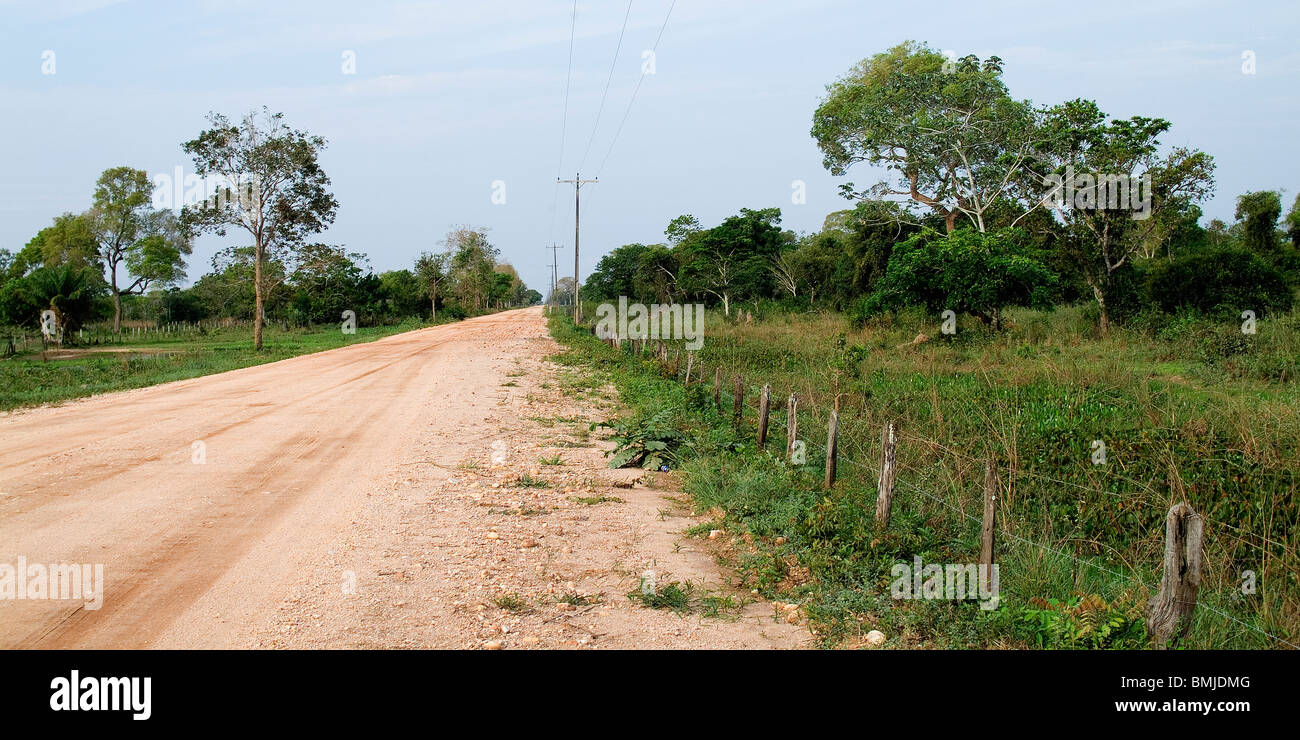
<point>690,362</point>
<point>888,472</point>
<point>791,424</point>
<point>986,529</point>
<point>832,443</point>
<point>738,400</point>
<point>1169,614</point>
<point>764,401</point>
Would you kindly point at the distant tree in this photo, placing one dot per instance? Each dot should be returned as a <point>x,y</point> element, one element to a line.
<point>133,240</point>
<point>1293,223</point>
<point>471,262</point>
<point>616,274</point>
<point>325,282</point>
<point>732,260</point>
<point>1258,212</point>
<point>1102,240</point>
<point>287,200</point>
<point>402,293</point>
<point>431,268</point>
<point>656,274</point>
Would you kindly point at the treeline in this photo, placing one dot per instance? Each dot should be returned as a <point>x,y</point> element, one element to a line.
<point>988,202</point>
<point>124,259</point>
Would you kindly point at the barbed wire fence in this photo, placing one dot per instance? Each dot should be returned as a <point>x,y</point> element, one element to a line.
<point>671,363</point>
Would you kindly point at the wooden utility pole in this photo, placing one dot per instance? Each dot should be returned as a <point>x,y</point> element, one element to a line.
<point>555,269</point>
<point>578,182</point>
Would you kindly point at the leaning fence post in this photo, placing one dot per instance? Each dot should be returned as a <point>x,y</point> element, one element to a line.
<point>832,443</point>
<point>738,400</point>
<point>690,362</point>
<point>764,402</point>
<point>791,425</point>
<point>986,529</point>
<point>888,471</point>
<point>1169,614</point>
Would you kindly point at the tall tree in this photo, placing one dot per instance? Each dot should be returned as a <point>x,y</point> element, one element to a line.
<point>948,133</point>
<point>1091,156</point>
<point>431,269</point>
<point>271,185</point>
<point>134,240</point>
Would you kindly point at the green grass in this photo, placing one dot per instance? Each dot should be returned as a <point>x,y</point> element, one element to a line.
<point>528,481</point>
<point>594,500</point>
<point>511,603</point>
<point>1184,414</point>
<point>27,380</point>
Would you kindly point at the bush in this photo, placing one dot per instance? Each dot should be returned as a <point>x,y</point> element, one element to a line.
<point>965,271</point>
<point>1219,282</point>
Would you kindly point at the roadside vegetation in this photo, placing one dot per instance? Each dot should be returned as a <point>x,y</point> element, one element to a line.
<point>1031,283</point>
<point>1079,543</point>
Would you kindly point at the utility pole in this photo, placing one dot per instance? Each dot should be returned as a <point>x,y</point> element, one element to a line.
<point>578,182</point>
<point>555,265</point>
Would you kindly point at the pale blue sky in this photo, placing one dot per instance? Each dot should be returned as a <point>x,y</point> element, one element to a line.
<point>451,96</point>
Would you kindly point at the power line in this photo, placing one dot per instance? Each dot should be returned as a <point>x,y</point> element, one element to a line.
<point>564,122</point>
<point>635,90</point>
<point>613,63</point>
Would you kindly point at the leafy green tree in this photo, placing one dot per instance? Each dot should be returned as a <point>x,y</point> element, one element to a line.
<point>948,134</point>
<point>133,240</point>
<point>965,271</point>
<point>616,274</point>
<point>1258,212</point>
<point>432,270</point>
<point>656,274</point>
<point>326,282</point>
<point>402,293</point>
<point>1293,223</point>
<point>1079,141</point>
<point>287,198</point>
<point>732,260</point>
<point>70,290</point>
<point>471,263</point>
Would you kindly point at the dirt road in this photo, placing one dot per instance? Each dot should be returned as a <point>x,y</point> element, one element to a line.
<point>356,497</point>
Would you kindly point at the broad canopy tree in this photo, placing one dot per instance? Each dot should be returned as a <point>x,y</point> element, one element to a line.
<point>948,133</point>
<point>271,186</point>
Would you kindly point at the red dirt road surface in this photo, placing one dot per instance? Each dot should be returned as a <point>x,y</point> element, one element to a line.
<point>318,502</point>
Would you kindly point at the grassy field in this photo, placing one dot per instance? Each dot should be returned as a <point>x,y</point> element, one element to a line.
<point>1187,411</point>
<point>28,378</point>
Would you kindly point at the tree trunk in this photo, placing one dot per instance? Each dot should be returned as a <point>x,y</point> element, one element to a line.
<point>726,305</point>
<point>1100,295</point>
<point>258,300</point>
<point>433,301</point>
<point>117,304</point>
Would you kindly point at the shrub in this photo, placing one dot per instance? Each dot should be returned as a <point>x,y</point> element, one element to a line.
<point>965,271</point>
<point>1220,282</point>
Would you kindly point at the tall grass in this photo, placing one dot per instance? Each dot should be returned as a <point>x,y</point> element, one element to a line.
<point>1080,543</point>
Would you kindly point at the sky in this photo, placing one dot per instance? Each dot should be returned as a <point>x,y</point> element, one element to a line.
<point>456,112</point>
